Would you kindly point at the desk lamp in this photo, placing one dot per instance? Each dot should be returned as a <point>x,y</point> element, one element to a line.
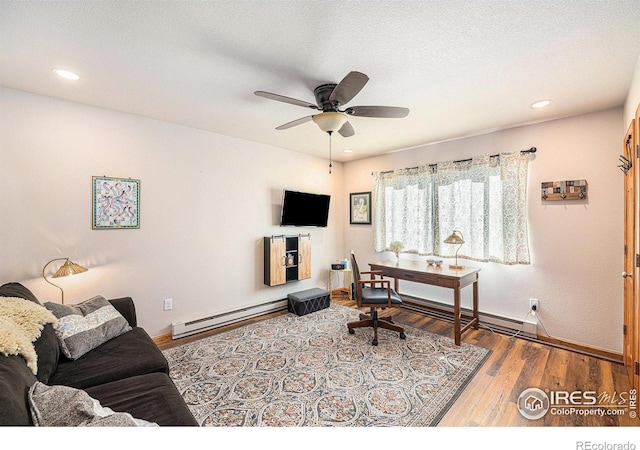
<point>456,240</point>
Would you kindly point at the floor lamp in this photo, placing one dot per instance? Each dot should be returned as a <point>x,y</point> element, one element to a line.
<point>68,268</point>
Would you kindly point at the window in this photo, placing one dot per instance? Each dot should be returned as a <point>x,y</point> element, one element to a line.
<point>484,198</point>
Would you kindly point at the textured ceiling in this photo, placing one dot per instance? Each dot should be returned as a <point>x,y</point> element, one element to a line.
<point>461,67</point>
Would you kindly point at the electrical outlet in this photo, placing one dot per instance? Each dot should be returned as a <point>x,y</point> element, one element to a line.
<point>168,304</point>
<point>534,305</point>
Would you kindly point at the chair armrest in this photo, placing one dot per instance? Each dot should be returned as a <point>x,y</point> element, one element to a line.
<point>126,307</point>
<point>372,272</point>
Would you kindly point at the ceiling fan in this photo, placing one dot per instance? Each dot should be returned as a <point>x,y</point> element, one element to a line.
<point>330,98</point>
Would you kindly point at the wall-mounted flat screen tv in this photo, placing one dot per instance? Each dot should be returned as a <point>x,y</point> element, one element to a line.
<point>302,209</point>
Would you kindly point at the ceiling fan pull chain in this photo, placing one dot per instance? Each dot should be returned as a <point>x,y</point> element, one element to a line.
<point>330,165</point>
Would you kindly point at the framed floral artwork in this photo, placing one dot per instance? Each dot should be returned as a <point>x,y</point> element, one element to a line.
<point>360,208</point>
<point>116,203</point>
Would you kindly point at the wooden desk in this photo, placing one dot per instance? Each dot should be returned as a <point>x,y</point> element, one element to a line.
<point>420,272</point>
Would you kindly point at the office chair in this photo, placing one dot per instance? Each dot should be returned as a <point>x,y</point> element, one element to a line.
<point>369,295</point>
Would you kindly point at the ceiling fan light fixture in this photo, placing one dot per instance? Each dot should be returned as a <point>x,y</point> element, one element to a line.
<point>330,121</point>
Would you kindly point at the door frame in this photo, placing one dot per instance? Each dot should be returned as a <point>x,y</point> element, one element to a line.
<point>630,226</point>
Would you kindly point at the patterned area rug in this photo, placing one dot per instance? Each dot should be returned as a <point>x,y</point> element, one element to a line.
<point>309,371</point>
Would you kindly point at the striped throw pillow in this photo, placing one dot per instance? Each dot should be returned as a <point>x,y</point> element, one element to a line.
<point>87,325</point>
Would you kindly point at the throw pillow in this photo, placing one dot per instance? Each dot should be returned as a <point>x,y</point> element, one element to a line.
<point>85,326</point>
<point>64,406</point>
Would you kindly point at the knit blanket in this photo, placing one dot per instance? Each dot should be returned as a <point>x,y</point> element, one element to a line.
<point>21,323</point>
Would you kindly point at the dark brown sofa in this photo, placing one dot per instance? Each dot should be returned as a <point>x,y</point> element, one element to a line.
<point>127,373</point>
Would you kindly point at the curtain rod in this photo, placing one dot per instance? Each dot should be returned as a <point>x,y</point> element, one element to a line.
<point>530,150</point>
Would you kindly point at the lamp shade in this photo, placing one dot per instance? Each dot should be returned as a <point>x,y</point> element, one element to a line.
<point>330,121</point>
<point>69,268</point>
<point>455,238</point>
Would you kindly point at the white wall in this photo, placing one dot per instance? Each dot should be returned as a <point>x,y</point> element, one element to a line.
<point>633,98</point>
<point>576,247</point>
<point>207,200</point>
<point>206,203</point>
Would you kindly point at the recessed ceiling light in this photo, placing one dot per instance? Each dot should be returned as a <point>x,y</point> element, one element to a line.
<point>541,104</point>
<point>66,74</point>
<point>347,150</point>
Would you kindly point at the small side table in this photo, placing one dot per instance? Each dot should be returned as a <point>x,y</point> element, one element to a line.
<point>345,273</point>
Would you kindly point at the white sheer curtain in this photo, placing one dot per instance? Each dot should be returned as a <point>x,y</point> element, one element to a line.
<point>403,208</point>
<point>484,198</point>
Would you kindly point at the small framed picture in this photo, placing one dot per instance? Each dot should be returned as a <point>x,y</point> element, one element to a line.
<point>116,203</point>
<point>360,208</point>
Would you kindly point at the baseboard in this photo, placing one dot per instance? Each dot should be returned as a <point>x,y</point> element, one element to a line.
<point>509,327</point>
<point>496,323</point>
<point>577,347</point>
<point>444,311</point>
<point>197,326</point>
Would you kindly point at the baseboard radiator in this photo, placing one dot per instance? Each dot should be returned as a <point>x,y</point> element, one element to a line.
<point>183,329</point>
<point>528,328</point>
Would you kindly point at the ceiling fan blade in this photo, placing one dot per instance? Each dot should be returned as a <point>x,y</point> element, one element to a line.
<point>348,87</point>
<point>347,130</point>
<point>378,111</point>
<point>282,98</point>
<point>294,123</point>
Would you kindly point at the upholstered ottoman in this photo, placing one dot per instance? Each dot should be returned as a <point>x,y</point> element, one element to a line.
<point>308,301</point>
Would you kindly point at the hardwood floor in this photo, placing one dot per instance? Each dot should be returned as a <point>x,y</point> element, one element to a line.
<point>515,365</point>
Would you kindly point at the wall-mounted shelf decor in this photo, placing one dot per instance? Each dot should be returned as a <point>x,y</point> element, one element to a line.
<point>287,258</point>
<point>564,190</point>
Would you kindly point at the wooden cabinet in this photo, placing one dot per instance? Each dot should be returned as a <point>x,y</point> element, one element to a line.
<point>304,257</point>
<point>286,259</point>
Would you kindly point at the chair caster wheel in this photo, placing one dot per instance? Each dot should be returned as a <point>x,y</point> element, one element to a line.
<point>351,331</point>
<point>374,342</point>
<point>403,336</point>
